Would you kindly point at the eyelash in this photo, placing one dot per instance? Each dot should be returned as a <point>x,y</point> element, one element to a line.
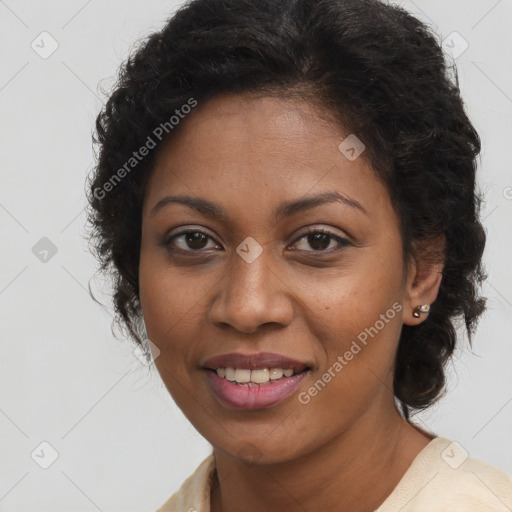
<point>341,241</point>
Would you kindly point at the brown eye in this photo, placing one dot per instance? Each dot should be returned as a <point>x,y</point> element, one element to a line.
<point>321,240</point>
<point>195,240</point>
<point>191,240</point>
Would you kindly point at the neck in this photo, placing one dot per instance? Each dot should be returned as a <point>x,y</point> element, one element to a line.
<point>354,472</point>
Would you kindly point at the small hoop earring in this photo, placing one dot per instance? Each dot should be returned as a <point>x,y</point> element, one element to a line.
<point>424,308</point>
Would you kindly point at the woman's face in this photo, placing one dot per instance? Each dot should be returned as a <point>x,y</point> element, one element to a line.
<point>252,281</point>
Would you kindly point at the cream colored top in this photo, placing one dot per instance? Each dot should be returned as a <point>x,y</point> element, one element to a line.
<point>442,478</point>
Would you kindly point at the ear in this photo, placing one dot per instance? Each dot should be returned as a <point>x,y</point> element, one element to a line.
<point>424,277</point>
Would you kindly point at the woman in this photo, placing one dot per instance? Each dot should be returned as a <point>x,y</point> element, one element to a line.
<point>285,198</point>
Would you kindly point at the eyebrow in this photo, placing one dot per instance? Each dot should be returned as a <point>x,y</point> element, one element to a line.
<point>283,211</point>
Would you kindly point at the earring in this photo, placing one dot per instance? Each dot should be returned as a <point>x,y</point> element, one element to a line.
<point>424,308</point>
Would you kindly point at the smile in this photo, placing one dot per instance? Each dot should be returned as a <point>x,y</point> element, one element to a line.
<point>254,377</point>
<point>237,388</point>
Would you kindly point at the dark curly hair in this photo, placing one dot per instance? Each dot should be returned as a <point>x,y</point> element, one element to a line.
<point>375,68</point>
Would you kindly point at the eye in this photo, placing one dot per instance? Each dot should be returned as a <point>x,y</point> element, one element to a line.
<point>321,239</point>
<point>196,240</point>
<point>192,240</point>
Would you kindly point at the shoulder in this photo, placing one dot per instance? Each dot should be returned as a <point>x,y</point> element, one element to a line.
<point>474,485</point>
<point>444,478</point>
<point>194,493</point>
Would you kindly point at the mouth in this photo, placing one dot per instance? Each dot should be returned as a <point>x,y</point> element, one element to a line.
<point>260,361</point>
<point>257,376</point>
<point>257,381</point>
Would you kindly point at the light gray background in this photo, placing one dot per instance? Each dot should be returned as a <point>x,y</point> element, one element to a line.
<point>122,443</point>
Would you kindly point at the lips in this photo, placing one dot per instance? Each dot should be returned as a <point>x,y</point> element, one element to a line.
<point>242,389</point>
<point>255,361</point>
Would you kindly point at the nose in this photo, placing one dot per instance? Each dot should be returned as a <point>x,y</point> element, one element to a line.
<point>251,295</point>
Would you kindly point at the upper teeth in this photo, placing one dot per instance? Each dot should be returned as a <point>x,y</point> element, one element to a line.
<point>259,376</point>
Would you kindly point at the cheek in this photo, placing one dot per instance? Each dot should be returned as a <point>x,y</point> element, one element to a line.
<point>356,316</point>
<point>173,307</point>
<point>346,302</point>
<point>358,336</point>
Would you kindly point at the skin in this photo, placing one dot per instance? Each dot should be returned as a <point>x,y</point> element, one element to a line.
<point>348,447</point>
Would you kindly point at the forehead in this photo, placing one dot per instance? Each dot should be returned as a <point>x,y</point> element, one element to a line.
<point>263,149</point>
